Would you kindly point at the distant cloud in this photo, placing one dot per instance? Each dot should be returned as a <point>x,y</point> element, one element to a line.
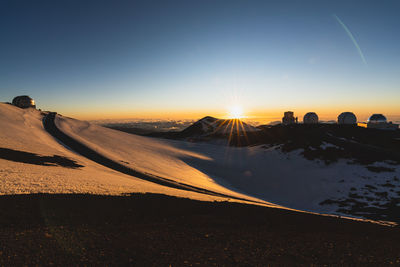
<point>148,125</point>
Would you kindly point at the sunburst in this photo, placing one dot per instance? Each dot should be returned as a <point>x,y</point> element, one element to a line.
<point>236,112</point>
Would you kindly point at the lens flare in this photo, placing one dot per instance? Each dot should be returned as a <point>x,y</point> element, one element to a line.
<point>235,112</point>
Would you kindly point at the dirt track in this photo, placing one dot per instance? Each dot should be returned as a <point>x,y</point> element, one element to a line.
<point>91,154</point>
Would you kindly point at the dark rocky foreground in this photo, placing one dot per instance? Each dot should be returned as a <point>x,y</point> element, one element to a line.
<point>157,230</point>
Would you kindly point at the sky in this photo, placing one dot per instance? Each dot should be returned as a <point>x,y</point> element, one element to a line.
<point>188,59</point>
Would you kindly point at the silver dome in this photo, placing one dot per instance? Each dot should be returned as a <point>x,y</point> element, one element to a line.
<point>310,118</point>
<point>24,101</point>
<point>347,118</point>
<point>377,118</point>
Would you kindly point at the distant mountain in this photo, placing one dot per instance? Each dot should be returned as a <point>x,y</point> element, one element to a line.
<point>208,126</point>
<point>233,131</point>
<point>274,123</point>
<point>326,142</point>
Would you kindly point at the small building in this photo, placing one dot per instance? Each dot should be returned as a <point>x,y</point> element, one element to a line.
<point>288,118</point>
<point>378,121</point>
<point>310,118</point>
<point>347,118</point>
<point>24,101</point>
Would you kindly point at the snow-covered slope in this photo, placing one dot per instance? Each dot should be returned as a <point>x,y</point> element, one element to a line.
<point>291,180</point>
<point>284,178</point>
<point>144,154</point>
<point>257,172</point>
<point>28,163</point>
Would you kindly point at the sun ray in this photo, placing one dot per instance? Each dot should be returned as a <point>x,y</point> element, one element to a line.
<point>221,124</point>
<point>230,134</point>
<point>237,131</point>
<point>244,131</point>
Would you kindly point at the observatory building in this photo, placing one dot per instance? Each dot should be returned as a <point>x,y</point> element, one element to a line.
<point>378,121</point>
<point>24,101</point>
<point>347,118</point>
<point>310,118</point>
<point>288,118</point>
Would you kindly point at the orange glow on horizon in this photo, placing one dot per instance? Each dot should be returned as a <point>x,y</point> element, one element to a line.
<point>262,116</point>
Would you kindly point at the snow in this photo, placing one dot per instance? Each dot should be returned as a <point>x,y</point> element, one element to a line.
<point>22,130</point>
<point>326,145</point>
<point>144,154</point>
<point>254,173</point>
<point>287,179</point>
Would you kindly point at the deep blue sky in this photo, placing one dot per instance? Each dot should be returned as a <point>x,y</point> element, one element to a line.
<point>94,59</point>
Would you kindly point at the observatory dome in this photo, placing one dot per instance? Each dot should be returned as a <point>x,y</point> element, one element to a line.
<point>24,101</point>
<point>310,118</point>
<point>347,118</point>
<point>377,118</point>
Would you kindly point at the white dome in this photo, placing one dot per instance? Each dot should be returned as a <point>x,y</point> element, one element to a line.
<point>377,118</point>
<point>347,118</point>
<point>310,118</point>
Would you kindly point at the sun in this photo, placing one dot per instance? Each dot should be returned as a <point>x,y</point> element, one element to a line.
<point>235,112</point>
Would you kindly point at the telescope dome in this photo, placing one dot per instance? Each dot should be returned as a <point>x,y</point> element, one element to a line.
<point>310,118</point>
<point>24,101</point>
<point>347,118</point>
<point>377,118</point>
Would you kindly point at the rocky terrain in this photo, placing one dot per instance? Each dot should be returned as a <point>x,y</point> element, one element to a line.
<point>157,230</point>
